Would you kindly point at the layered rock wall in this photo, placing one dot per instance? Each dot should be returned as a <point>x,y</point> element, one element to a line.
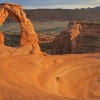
<point>79,37</point>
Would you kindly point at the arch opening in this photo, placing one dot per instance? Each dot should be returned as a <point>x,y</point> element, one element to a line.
<point>11,31</point>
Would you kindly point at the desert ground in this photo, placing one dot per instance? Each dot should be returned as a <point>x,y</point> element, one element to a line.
<point>54,60</point>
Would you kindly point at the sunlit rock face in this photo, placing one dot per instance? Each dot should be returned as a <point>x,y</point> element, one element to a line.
<point>1,38</point>
<point>79,37</point>
<point>25,75</point>
<point>28,35</point>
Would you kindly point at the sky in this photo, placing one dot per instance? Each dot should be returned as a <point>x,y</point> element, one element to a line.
<point>64,4</point>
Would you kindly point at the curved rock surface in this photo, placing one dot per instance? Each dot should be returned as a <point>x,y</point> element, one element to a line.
<point>79,37</point>
<point>43,77</point>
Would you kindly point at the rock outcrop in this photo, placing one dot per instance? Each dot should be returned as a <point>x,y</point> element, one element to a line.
<point>61,44</point>
<point>43,38</point>
<point>28,35</point>
<point>79,37</point>
<point>63,77</point>
<point>1,38</point>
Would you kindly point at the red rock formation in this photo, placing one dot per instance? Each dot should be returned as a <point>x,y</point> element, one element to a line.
<point>89,38</point>
<point>28,35</point>
<point>1,38</point>
<point>80,37</point>
<point>74,31</point>
<point>43,77</point>
<point>61,44</point>
<point>3,14</point>
<point>31,77</point>
<point>43,38</point>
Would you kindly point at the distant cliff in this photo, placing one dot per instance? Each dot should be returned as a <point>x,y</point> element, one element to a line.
<point>79,37</point>
<point>89,14</point>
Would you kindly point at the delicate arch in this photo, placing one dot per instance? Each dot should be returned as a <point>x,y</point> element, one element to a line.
<point>28,35</point>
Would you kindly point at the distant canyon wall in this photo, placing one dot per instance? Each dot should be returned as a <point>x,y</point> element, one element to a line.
<point>79,37</point>
<point>89,14</point>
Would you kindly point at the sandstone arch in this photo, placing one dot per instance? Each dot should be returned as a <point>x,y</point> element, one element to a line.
<point>28,34</point>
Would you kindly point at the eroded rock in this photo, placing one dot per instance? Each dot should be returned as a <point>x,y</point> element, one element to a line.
<point>28,34</point>
<point>1,38</point>
<point>79,37</point>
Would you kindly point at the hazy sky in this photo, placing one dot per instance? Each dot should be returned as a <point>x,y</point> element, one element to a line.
<point>55,3</point>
